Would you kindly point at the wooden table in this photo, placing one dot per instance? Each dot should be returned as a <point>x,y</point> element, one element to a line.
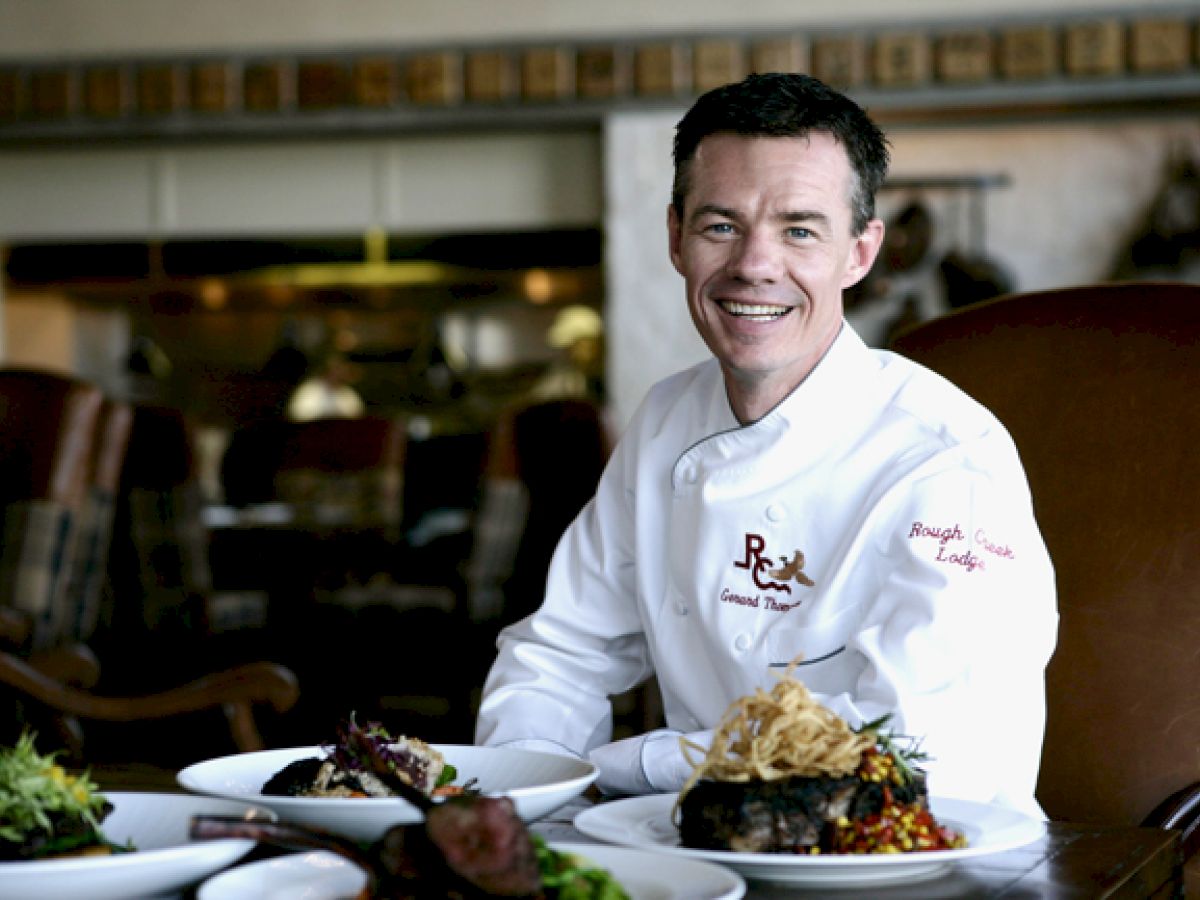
<point>1070,861</point>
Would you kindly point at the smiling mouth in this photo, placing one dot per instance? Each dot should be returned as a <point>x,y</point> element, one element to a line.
<point>755,312</point>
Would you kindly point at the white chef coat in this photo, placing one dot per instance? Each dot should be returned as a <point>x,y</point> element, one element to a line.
<point>877,524</point>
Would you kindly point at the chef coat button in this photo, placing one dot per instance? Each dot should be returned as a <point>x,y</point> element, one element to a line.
<point>681,608</point>
<point>776,513</point>
<point>742,642</point>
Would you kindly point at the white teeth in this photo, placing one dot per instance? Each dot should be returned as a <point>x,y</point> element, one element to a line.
<point>754,310</point>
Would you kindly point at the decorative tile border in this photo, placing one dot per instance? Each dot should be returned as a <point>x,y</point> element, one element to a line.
<point>1086,60</point>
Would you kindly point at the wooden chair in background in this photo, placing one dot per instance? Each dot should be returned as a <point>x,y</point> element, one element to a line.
<point>337,485</point>
<point>164,610</point>
<point>544,463</point>
<point>87,586</point>
<point>1100,388</point>
<point>345,476</point>
<point>48,427</point>
<point>61,444</point>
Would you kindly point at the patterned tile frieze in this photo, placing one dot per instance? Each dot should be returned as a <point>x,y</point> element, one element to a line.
<point>1138,57</point>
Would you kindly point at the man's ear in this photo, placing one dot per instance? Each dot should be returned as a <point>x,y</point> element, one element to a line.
<point>674,237</point>
<point>862,253</point>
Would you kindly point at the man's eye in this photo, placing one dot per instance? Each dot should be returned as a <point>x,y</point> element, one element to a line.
<point>719,228</point>
<point>798,233</point>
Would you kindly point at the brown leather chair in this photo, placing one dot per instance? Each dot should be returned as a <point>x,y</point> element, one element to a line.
<point>543,461</point>
<point>60,443</point>
<point>344,474</point>
<point>86,587</point>
<point>1100,388</point>
<point>335,487</point>
<point>48,427</point>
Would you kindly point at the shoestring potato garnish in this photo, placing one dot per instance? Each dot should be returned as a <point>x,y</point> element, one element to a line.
<point>785,733</point>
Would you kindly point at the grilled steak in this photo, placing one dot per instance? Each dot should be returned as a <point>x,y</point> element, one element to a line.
<point>792,815</point>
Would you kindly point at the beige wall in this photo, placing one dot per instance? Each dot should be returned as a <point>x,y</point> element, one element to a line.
<point>49,331</point>
<point>46,325</point>
<point>415,182</point>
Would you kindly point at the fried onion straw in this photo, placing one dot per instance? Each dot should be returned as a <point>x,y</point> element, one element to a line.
<point>778,735</point>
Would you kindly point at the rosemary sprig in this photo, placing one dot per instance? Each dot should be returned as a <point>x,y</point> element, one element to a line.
<point>907,757</point>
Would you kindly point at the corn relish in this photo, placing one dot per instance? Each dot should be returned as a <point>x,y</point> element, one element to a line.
<point>898,827</point>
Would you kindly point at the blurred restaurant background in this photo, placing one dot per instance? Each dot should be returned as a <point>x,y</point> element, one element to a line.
<point>447,220</point>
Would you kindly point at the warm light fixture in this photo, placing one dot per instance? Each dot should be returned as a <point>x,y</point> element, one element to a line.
<point>214,294</point>
<point>539,286</point>
<point>279,293</point>
<point>365,274</point>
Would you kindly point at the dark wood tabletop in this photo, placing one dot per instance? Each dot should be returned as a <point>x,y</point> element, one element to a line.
<point>1069,861</point>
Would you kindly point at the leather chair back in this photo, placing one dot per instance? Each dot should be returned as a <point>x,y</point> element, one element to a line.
<point>48,427</point>
<point>542,464</point>
<point>89,572</point>
<point>159,567</point>
<point>344,473</point>
<point>1100,388</point>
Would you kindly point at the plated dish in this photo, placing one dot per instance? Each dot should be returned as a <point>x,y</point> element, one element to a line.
<point>165,859</point>
<point>325,876</point>
<point>647,822</point>
<point>538,784</point>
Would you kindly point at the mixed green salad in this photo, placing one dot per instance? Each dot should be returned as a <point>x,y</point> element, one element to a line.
<point>44,810</point>
<point>566,876</point>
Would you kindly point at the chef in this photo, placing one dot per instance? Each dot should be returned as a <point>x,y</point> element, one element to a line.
<point>799,496</point>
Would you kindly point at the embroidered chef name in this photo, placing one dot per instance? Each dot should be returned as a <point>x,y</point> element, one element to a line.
<point>944,537</point>
<point>757,601</point>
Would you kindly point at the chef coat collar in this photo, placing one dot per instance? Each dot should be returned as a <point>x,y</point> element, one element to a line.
<point>827,388</point>
<point>810,414</point>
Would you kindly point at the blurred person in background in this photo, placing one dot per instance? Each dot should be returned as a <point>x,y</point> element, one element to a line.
<point>328,393</point>
<point>577,336</point>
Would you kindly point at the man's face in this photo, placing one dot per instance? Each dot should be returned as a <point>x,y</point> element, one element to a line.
<point>765,249</point>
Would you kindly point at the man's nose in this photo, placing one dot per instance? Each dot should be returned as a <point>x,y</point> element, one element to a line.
<point>754,258</point>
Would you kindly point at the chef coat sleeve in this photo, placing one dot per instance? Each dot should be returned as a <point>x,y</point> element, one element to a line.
<point>957,637</point>
<point>556,669</point>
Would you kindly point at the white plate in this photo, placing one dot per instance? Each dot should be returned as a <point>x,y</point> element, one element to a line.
<point>538,784</point>
<point>325,876</point>
<point>313,875</point>
<point>647,822</point>
<point>165,860</point>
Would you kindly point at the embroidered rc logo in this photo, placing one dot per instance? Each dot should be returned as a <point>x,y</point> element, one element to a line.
<point>761,565</point>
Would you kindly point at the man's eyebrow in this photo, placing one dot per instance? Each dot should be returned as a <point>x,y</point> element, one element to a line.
<point>806,215</point>
<point>712,209</point>
<point>725,212</point>
<point>791,217</point>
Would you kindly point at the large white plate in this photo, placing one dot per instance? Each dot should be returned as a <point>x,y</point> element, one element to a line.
<point>165,860</point>
<point>647,822</point>
<point>538,784</point>
<point>325,876</point>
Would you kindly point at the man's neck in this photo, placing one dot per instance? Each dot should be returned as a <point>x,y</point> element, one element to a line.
<point>752,395</point>
<point>751,399</point>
